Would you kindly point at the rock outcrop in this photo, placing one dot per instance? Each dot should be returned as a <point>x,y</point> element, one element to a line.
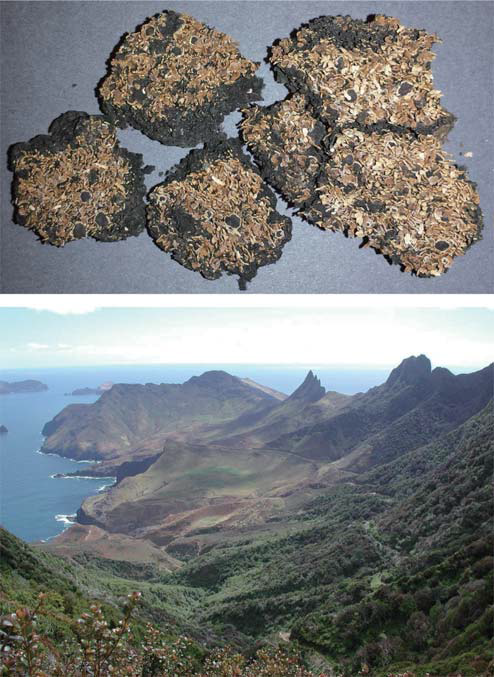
<point>310,390</point>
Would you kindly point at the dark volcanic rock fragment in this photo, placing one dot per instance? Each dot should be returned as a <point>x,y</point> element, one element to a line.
<point>77,181</point>
<point>286,141</point>
<point>403,194</point>
<point>175,79</point>
<point>215,214</point>
<point>371,72</point>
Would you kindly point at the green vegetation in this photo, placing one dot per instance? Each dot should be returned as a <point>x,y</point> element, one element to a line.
<point>393,579</point>
<point>68,630</point>
<point>384,569</point>
<point>99,648</point>
<point>70,587</point>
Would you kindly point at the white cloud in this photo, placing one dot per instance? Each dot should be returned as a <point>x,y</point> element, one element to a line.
<point>79,304</point>
<point>38,346</point>
<point>314,335</point>
<point>65,307</point>
<point>313,338</point>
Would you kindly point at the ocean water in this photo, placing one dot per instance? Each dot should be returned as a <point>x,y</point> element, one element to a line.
<point>36,506</point>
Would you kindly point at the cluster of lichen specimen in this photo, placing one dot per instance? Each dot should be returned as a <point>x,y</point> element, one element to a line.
<point>354,147</point>
<point>175,79</point>
<point>215,214</point>
<point>377,169</point>
<point>77,182</point>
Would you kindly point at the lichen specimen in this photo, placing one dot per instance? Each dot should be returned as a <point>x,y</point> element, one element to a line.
<point>286,141</point>
<point>366,72</point>
<point>175,79</point>
<point>403,194</point>
<point>77,182</point>
<point>216,214</point>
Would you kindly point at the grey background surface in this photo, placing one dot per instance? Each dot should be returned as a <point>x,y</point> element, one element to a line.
<point>54,53</point>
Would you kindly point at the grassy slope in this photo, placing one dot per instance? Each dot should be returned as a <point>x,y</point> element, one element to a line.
<point>71,585</point>
<point>190,478</point>
<point>368,575</point>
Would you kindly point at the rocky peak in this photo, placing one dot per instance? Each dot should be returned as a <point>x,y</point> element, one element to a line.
<point>214,379</point>
<point>411,371</point>
<point>442,374</point>
<point>310,390</point>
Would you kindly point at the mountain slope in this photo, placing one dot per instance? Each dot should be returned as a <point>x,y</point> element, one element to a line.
<point>308,403</point>
<point>270,391</point>
<point>190,487</point>
<point>365,575</point>
<point>434,606</point>
<point>126,415</point>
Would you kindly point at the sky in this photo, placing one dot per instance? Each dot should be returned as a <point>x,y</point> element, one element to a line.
<point>77,334</point>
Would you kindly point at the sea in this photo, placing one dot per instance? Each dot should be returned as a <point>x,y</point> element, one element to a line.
<point>37,506</point>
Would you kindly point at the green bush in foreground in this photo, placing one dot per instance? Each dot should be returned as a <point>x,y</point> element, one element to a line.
<point>100,649</point>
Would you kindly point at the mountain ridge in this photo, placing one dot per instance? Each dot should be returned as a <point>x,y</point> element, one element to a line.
<point>241,472</point>
<point>218,408</point>
<point>310,390</point>
<point>128,413</point>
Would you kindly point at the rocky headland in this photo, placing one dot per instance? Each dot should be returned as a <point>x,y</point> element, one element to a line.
<point>28,386</point>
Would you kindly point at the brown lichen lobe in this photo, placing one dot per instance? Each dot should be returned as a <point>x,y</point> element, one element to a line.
<point>366,71</point>
<point>74,188</point>
<point>172,68</point>
<point>219,217</point>
<point>401,192</point>
<point>285,138</point>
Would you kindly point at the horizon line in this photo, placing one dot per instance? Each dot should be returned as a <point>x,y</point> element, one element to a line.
<point>289,365</point>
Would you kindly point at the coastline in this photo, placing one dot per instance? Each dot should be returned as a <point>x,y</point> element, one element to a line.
<point>71,476</point>
<point>74,460</point>
<point>66,519</point>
